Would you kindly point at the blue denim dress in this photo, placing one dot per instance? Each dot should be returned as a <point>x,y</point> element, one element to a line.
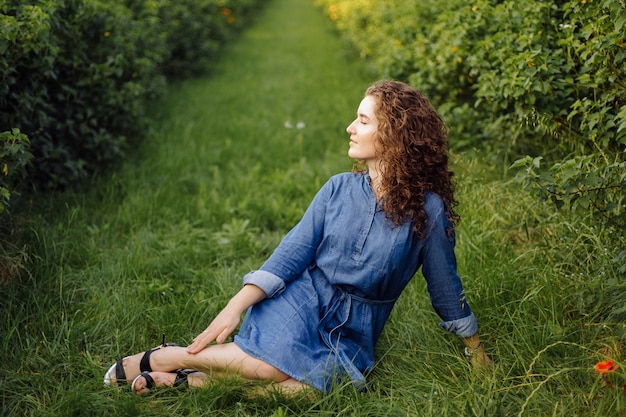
<point>333,280</point>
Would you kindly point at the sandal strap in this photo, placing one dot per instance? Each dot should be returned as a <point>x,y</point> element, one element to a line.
<point>144,363</point>
<point>120,374</point>
<point>181,377</point>
<point>149,381</point>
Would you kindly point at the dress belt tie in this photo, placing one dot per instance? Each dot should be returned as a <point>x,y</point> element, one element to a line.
<point>369,300</point>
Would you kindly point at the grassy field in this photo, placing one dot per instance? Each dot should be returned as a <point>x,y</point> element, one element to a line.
<point>231,162</point>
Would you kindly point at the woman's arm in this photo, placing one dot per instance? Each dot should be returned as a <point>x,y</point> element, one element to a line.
<point>445,287</point>
<point>228,319</point>
<point>298,248</point>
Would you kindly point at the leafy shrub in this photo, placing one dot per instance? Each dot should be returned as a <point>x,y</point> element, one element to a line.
<point>194,30</point>
<point>585,184</point>
<point>519,78</point>
<point>14,157</point>
<point>76,73</point>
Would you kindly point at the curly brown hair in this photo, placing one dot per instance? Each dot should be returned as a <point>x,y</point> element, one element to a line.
<point>412,147</point>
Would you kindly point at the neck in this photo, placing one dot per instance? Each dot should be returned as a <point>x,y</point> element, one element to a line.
<point>374,171</point>
<point>375,183</point>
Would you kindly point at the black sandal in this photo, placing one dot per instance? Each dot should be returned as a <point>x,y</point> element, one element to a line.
<point>181,377</point>
<point>117,368</point>
<point>181,380</point>
<point>149,381</point>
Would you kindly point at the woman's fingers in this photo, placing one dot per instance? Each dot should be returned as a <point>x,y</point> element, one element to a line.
<point>223,335</point>
<point>218,331</point>
<point>209,336</point>
<point>200,341</point>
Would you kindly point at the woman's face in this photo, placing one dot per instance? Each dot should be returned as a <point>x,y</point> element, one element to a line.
<point>363,131</point>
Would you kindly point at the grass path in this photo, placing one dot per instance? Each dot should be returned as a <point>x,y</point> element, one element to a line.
<point>229,165</point>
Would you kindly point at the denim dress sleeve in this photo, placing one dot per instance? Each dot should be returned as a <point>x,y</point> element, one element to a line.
<point>440,271</point>
<point>296,251</point>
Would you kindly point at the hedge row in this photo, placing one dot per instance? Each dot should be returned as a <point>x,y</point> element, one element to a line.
<point>75,74</point>
<point>541,78</point>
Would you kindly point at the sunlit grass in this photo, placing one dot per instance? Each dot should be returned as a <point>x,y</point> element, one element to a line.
<point>159,245</point>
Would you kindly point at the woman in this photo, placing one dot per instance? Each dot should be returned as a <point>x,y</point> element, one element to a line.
<point>317,306</point>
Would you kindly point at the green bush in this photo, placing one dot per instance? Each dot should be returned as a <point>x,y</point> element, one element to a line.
<point>544,78</point>
<point>194,30</point>
<point>76,73</point>
<point>14,158</point>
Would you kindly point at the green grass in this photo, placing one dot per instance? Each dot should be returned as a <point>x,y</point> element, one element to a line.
<point>160,244</point>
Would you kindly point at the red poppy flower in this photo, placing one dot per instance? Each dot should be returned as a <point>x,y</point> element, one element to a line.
<point>605,367</point>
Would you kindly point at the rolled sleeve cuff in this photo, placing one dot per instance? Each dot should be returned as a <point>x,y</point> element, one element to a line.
<point>465,327</point>
<point>271,284</point>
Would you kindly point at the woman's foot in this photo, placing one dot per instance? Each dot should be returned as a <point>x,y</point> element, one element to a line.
<point>145,381</point>
<point>128,368</point>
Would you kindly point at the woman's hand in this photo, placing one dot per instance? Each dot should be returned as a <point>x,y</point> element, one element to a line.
<point>474,349</point>
<point>220,328</point>
<point>228,319</point>
<point>480,359</point>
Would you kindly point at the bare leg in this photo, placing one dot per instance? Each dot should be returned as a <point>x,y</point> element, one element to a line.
<point>199,379</point>
<point>292,386</point>
<point>226,357</point>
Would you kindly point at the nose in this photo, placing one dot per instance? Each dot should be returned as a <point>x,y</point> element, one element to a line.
<point>350,128</point>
